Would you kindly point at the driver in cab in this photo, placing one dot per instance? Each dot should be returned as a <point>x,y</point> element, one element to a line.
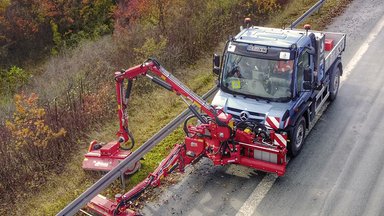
<point>283,67</point>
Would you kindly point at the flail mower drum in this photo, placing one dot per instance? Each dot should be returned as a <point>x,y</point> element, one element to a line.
<point>105,157</point>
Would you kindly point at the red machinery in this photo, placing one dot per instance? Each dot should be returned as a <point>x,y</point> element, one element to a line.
<point>105,157</point>
<point>217,137</point>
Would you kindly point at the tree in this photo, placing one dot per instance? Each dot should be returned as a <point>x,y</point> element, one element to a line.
<point>152,11</point>
<point>28,127</point>
<point>30,28</point>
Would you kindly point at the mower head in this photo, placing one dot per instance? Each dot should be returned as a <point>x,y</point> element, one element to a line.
<point>106,157</point>
<point>101,205</point>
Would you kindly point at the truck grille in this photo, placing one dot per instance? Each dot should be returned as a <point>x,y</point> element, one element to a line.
<point>253,116</point>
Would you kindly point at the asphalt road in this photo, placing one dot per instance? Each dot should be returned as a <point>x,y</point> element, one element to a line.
<point>341,168</point>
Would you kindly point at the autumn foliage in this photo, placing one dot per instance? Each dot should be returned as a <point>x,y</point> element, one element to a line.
<point>40,137</point>
<point>28,128</point>
<point>29,147</point>
<point>31,28</point>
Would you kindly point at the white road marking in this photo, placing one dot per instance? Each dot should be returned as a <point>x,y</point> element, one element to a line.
<point>253,201</point>
<point>257,195</point>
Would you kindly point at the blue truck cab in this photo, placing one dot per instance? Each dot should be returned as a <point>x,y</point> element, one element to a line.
<point>279,78</point>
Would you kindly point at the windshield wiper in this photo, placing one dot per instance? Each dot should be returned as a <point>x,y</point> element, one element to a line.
<point>257,98</point>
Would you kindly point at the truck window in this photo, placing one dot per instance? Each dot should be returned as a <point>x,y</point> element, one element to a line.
<point>302,64</point>
<point>263,78</point>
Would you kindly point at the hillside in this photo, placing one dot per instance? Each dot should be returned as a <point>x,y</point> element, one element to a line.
<point>73,100</point>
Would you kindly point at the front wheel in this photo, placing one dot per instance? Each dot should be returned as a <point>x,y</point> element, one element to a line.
<point>297,138</point>
<point>334,83</point>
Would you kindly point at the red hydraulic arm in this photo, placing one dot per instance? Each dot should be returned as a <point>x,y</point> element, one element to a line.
<point>176,159</point>
<point>167,81</point>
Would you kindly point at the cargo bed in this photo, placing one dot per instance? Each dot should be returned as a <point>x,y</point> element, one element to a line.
<point>339,40</point>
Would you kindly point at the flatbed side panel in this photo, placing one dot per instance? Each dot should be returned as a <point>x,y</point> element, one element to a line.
<point>339,46</point>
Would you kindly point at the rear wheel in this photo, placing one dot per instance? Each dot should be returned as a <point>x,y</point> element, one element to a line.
<point>297,138</point>
<point>334,83</point>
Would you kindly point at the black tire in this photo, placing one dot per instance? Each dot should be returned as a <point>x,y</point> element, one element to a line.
<point>334,83</point>
<point>297,138</point>
<point>97,146</point>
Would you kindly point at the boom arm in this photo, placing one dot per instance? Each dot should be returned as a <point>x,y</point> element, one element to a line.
<point>176,159</point>
<point>167,81</point>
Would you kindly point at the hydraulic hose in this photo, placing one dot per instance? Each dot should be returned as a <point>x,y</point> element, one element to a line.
<point>257,128</point>
<point>185,126</point>
<point>129,89</point>
<point>223,124</point>
<point>132,141</point>
<point>254,125</point>
<point>123,202</point>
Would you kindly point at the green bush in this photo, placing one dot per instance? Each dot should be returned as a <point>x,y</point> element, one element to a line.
<point>31,30</point>
<point>12,80</point>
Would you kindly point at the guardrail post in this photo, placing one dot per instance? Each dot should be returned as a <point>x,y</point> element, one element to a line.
<point>122,177</point>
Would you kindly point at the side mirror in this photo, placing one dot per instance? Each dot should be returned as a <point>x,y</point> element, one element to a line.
<point>307,84</point>
<point>311,51</point>
<point>307,74</point>
<point>216,64</point>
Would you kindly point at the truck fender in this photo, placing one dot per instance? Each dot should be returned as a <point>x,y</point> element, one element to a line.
<point>303,112</point>
<point>337,63</point>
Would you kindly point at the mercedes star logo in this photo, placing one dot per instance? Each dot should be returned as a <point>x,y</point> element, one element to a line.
<point>244,116</point>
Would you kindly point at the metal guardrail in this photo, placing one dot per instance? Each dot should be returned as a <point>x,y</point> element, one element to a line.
<point>119,170</point>
<point>308,13</point>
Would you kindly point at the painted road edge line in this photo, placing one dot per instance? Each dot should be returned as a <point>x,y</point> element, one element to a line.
<point>261,190</point>
<point>257,195</point>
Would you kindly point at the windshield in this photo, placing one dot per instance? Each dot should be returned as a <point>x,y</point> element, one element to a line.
<point>263,78</point>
